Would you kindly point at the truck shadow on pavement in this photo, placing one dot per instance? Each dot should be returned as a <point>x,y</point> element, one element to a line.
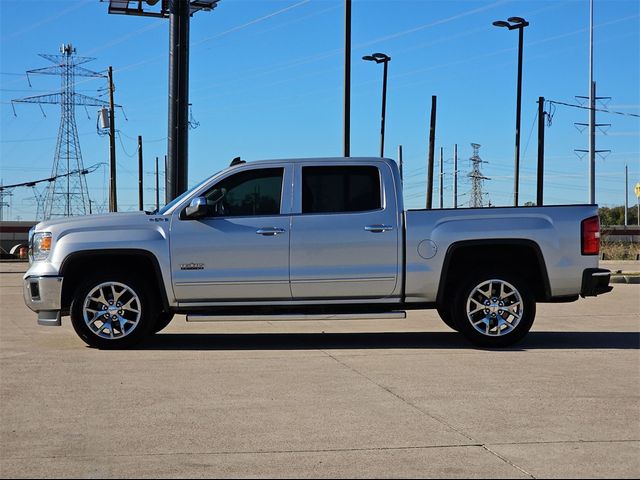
<point>399,340</point>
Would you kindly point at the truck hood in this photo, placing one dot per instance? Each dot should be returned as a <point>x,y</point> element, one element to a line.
<point>90,222</point>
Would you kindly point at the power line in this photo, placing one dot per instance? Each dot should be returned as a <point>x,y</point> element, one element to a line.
<point>85,171</point>
<point>583,107</point>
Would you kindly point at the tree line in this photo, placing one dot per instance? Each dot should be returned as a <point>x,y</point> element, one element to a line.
<point>615,215</point>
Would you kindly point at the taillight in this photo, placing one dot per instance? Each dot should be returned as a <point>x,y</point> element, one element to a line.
<point>590,228</point>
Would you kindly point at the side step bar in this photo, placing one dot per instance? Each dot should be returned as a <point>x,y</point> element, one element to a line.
<point>297,317</point>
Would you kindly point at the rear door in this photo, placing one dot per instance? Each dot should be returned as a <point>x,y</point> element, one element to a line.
<point>344,232</point>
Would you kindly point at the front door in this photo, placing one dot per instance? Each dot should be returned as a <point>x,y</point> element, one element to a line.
<point>240,250</point>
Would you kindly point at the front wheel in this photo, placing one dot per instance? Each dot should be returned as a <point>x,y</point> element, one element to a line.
<point>162,320</point>
<point>112,311</point>
<point>447,318</point>
<point>494,309</point>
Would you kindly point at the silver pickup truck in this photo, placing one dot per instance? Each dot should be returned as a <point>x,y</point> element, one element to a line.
<point>310,239</point>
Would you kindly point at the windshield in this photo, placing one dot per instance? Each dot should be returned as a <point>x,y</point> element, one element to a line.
<point>181,197</point>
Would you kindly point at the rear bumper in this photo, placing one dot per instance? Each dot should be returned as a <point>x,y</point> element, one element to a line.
<point>595,281</point>
<point>43,296</point>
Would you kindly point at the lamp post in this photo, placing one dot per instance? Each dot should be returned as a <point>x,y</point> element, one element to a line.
<point>179,13</point>
<point>346,136</point>
<point>516,23</point>
<point>384,59</point>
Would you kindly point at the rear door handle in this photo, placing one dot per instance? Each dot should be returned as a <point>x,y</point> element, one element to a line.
<point>270,231</point>
<point>378,228</point>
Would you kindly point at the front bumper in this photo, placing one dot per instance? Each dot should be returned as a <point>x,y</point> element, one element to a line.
<point>43,296</point>
<point>595,281</point>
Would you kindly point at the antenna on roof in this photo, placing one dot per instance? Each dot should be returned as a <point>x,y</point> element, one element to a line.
<point>236,161</point>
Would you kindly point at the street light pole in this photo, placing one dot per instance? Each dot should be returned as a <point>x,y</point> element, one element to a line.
<point>384,59</point>
<point>384,107</point>
<point>516,23</point>
<point>516,179</point>
<point>179,13</point>
<point>178,150</point>
<point>346,151</point>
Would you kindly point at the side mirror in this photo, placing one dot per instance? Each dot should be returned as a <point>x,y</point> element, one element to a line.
<point>197,208</point>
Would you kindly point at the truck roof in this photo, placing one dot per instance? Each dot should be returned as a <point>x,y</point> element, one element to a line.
<point>317,159</point>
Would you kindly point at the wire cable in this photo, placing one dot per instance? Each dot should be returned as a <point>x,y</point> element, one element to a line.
<point>84,171</point>
<point>594,109</point>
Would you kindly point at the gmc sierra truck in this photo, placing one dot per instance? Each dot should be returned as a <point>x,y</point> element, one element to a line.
<point>310,239</point>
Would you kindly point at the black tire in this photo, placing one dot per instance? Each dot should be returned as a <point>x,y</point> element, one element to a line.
<point>505,320</point>
<point>447,318</point>
<point>162,320</point>
<point>123,298</point>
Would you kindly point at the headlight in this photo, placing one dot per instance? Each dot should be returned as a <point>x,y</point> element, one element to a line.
<point>41,246</point>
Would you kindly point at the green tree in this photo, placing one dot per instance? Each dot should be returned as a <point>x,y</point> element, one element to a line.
<point>615,215</point>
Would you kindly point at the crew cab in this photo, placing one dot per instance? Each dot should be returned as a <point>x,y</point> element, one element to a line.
<point>310,239</point>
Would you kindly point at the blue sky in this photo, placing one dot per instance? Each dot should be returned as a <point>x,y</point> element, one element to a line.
<point>266,82</point>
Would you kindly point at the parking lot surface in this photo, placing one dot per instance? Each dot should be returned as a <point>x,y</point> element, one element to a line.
<point>397,398</point>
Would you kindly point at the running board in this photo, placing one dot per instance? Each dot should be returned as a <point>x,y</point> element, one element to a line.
<point>297,317</point>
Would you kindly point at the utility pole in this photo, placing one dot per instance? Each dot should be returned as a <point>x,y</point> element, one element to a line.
<point>637,190</point>
<point>441,176</point>
<point>113,197</point>
<point>455,176</point>
<point>400,163</point>
<point>592,114</point>
<point>157,187</point>
<point>626,194</point>
<point>347,79</point>
<point>140,174</point>
<point>592,151</point>
<point>540,179</point>
<point>432,140</point>
<point>592,144</point>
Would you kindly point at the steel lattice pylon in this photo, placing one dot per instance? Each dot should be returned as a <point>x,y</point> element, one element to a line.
<point>67,195</point>
<point>477,178</point>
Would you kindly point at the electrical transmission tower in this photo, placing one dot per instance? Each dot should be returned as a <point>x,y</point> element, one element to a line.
<point>67,193</point>
<point>592,125</point>
<point>476,177</point>
<point>3,194</point>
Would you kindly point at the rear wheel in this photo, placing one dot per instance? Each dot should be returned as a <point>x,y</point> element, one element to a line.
<point>112,311</point>
<point>494,309</point>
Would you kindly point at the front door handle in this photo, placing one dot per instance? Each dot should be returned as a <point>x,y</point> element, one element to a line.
<point>270,231</point>
<point>378,228</point>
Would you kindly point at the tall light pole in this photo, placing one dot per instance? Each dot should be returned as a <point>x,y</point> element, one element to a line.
<point>179,13</point>
<point>384,59</point>
<point>346,135</point>
<point>516,23</point>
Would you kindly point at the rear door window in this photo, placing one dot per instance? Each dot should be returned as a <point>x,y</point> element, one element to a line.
<point>340,189</point>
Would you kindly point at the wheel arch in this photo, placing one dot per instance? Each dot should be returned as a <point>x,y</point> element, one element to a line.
<point>136,260</point>
<point>484,253</point>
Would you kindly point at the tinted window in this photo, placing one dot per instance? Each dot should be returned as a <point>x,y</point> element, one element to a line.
<point>248,193</point>
<point>340,189</point>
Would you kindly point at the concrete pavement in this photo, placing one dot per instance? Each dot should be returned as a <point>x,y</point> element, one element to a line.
<point>395,398</point>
